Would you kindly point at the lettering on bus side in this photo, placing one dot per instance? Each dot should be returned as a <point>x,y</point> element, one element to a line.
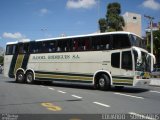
<point>59,57</point>
<point>75,57</point>
<point>39,57</point>
<point>49,57</point>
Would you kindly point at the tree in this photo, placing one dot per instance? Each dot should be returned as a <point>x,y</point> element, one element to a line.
<point>156,44</point>
<point>1,60</point>
<point>114,22</point>
<point>102,25</point>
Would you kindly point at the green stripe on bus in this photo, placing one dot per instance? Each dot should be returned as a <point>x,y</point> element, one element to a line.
<point>122,77</point>
<point>64,73</point>
<point>62,80</point>
<point>66,77</point>
<point>18,62</point>
<point>122,82</point>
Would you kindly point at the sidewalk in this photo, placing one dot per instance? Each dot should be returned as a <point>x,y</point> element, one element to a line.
<point>155,81</point>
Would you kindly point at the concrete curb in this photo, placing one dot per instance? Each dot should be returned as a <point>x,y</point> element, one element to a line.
<point>155,82</point>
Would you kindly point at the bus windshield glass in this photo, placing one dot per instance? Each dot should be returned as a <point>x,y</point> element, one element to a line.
<point>136,41</point>
<point>144,64</point>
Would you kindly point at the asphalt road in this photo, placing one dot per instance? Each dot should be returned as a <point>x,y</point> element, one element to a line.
<point>75,102</point>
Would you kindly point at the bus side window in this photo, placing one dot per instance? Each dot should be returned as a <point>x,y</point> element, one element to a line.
<point>45,47</point>
<point>34,47</point>
<point>115,60</point>
<point>23,48</point>
<point>11,49</point>
<point>87,43</point>
<point>75,45</point>
<point>127,60</point>
<point>66,45</point>
<point>81,44</point>
<point>95,43</point>
<point>58,46</point>
<point>105,42</point>
<point>52,46</point>
<point>120,41</point>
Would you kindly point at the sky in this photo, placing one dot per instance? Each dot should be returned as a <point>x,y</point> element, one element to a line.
<point>38,19</point>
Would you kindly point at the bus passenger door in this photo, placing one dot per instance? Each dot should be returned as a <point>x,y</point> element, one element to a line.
<point>127,74</point>
<point>115,66</point>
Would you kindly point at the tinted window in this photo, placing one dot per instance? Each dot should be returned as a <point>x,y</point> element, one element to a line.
<point>81,44</point>
<point>35,47</point>
<point>120,41</point>
<point>46,47</point>
<point>136,41</point>
<point>23,48</point>
<point>10,49</point>
<point>63,46</point>
<point>127,60</point>
<point>115,60</point>
<point>101,42</point>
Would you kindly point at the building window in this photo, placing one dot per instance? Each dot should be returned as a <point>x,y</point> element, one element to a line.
<point>134,18</point>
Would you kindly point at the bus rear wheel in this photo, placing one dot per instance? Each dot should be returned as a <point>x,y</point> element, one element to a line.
<point>20,77</point>
<point>104,82</point>
<point>29,78</point>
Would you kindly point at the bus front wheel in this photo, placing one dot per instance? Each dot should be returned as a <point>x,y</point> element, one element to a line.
<point>29,78</point>
<point>20,77</point>
<point>104,82</point>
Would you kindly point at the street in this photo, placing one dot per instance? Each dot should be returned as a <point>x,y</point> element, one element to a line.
<point>74,100</point>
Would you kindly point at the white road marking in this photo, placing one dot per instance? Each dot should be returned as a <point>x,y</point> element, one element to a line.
<point>139,116</point>
<point>98,103</point>
<point>154,91</point>
<point>51,88</point>
<point>76,96</point>
<point>61,91</point>
<point>129,95</point>
<point>42,86</point>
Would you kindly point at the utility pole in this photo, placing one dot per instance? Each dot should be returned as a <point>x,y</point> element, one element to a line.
<point>151,27</point>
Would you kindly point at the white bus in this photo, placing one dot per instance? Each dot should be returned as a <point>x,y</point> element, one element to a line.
<point>102,59</point>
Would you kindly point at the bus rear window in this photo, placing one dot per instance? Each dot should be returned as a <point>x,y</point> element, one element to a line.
<point>10,49</point>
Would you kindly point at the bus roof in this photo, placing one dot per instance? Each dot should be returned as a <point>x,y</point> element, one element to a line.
<point>87,35</point>
<point>23,41</point>
<point>76,36</point>
<point>10,43</point>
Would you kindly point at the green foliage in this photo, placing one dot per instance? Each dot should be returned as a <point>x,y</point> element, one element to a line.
<point>113,8</point>
<point>114,22</point>
<point>156,44</point>
<point>1,60</point>
<point>102,25</point>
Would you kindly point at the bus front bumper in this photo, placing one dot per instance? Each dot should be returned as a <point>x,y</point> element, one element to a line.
<point>141,82</point>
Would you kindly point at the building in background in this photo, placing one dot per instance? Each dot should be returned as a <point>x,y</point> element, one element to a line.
<point>133,23</point>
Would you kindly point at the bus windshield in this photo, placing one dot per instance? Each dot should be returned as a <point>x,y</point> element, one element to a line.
<point>144,64</point>
<point>136,41</point>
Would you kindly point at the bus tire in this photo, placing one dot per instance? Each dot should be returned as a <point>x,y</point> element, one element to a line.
<point>29,78</point>
<point>104,82</point>
<point>20,77</point>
